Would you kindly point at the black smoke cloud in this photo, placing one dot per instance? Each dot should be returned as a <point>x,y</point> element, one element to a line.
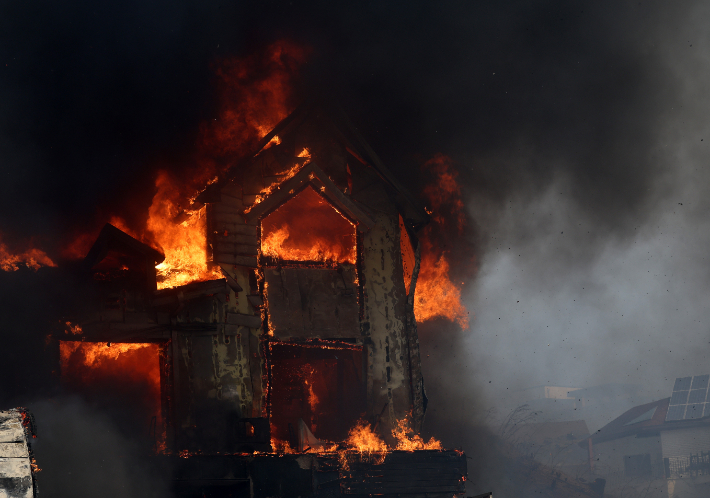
<point>576,128</point>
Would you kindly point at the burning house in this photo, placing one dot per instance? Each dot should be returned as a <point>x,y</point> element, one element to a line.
<point>288,363</point>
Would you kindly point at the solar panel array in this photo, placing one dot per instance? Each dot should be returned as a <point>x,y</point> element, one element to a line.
<point>689,399</point>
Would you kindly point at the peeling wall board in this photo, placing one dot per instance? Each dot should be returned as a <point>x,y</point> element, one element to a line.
<point>313,302</point>
<point>233,259</point>
<point>14,450</point>
<point>10,428</point>
<point>242,249</point>
<point>256,368</point>
<point>15,467</point>
<point>384,302</point>
<point>219,219</point>
<point>16,477</point>
<point>236,238</point>
<point>233,228</point>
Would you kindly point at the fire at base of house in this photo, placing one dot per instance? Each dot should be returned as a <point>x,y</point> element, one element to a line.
<point>297,373</point>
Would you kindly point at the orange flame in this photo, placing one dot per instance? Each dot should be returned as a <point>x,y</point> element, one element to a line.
<point>408,441</point>
<point>73,329</point>
<point>31,258</point>
<point>96,354</point>
<point>436,293</point>
<point>183,243</point>
<point>364,440</point>
<point>308,228</point>
<point>255,94</point>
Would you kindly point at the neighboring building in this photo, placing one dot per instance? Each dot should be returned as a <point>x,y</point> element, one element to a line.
<point>591,404</point>
<point>661,448</point>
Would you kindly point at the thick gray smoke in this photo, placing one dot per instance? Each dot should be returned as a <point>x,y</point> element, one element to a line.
<point>593,229</point>
<point>83,454</point>
<point>579,130</point>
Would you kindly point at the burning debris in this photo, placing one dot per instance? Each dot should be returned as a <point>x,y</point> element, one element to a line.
<point>277,318</point>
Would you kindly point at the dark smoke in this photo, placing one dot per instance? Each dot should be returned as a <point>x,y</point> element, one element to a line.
<point>577,128</point>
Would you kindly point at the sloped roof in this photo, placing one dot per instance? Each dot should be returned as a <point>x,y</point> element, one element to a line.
<point>339,126</point>
<point>624,425</point>
<point>111,238</point>
<point>636,421</point>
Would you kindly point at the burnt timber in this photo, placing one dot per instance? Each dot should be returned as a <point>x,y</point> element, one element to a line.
<point>277,342</point>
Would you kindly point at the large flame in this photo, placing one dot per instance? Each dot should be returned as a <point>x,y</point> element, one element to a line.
<point>437,294</point>
<point>308,228</point>
<point>363,439</point>
<point>184,243</point>
<point>31,258</point>
<point>254,95</point>
<point>100,354</point>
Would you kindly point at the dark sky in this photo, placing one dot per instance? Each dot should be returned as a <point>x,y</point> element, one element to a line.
<point>576,128</point>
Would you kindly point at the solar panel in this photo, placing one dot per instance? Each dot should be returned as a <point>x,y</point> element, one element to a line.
<point>679,398</point>
<point>694,411</point>
<point>675,412</point>
<point>682,384</point>
<point>690,398</point>
<point>700,382</point>
<point>697,396</point>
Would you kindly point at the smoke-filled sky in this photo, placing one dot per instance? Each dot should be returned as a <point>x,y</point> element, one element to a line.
<point>579,130</point>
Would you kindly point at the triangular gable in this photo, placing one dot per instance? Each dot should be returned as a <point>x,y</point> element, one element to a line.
<point>111,238</point>
<point>344,131</point>
<point>311,175</point>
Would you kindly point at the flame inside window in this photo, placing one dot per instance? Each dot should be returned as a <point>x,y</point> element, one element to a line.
<point>321,385</point>
<point>308,228</point>
<point>125,376</point>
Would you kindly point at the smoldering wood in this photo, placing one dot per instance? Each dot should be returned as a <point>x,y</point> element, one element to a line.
<point>312,302</point>
<point>240,249</point>
<point>255,301</point>
<point>415,370</point>
<point>436,473</point>
<point>233,284</point>
<point>178,295</point>
<point>222,218</point>
<point>235,229</point>
<point>233,259</point>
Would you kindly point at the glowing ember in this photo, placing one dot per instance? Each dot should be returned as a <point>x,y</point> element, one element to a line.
<point>308,228</point>
<point>31,258</point>
<point>73,329</point>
